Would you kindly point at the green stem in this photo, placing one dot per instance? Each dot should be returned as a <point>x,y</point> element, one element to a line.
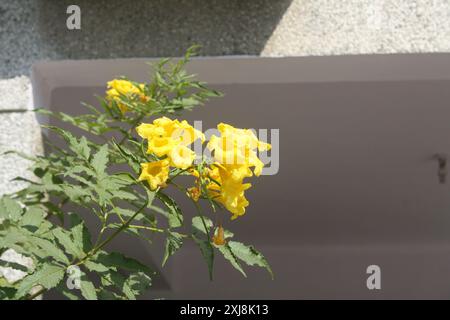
<point>112,236</point>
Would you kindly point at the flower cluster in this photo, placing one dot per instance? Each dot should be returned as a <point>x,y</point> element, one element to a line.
<point>168,140</point>
<point>119,87</point>
<point>234,153</point>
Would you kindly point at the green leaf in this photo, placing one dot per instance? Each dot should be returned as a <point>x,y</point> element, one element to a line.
<point>199,223</point>
<point>124,195</point>
<point>97,267</point>
<point>80,234</point>
<point>115,279</point>
<point>67,242</point>
<point>174,241</point>
<point>10,209</point>
<point>100,160</point>
<point>49,276</point>
<point>87,288</point>
<point>51,249</point>
<point>175,215</point>
<point>84,149</point>
<point>138,283</point>
<point>201,238</point>
<point>127,155</point>
<point>75,193</point>
<point>115,259</point>
<point>12,236</point>
<point>207,252</point>
<point>249,255</point>
<point>229,255</point>
<point>33,217</point>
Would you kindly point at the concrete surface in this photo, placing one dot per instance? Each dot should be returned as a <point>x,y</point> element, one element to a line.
<point>19,131</point>
<point>324,27</point>
<point>33,30</point>
<point>15,94</point>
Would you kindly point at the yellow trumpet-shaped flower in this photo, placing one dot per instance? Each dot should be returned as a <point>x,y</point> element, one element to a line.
<point>233,198</point>
<point>181,157</point>
<point>118,87</point>
<point>244,137</point>
<point>237,147</point>
<point>171,138</point>
<point>226,187</point>
<point>161,146</point>
<point>155,173</point>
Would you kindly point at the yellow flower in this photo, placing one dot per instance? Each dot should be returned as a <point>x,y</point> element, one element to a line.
<point>233,198</point>
<point>181,157</point>
<point>246,137</point>
<point>156,173</point>
<point>118,87</point>
<point>161,146</point>
<point>187,134</point>
<point>237,147</point>
<point>227,188</point>
<point>170,138</point>
<point>180,132</point>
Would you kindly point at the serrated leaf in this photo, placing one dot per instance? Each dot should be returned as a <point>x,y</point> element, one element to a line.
<point>11,236</point>
<point>10,209</point>
<point>199,224</point>
<point>114,278</point>
<point>84,149</point>
<point>229,255</point>
<point>33,217</point>
<point>249,255</point>
<point>201,238</point>
<point>175,217</point>
<point>49,276</point>
<point>138,283</point>
<point>124,195</point>
<point>99,160</point>
<point>128,156</point>
<point>115,259</point>
<point>124,178</point>
<point>67,242</point>
<point>207,252</point>
<point>75,193</point>
<point>87,288</point>
<point>174,241</point>
<point>97,267</point>
<point>80,234</point>
<point>67,136</point>
<point>51,249</point>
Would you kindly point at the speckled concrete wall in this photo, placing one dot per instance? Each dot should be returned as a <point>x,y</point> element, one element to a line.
<point>32,30</point>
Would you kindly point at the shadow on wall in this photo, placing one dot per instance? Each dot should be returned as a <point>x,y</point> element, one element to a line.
<point>142,28</point>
